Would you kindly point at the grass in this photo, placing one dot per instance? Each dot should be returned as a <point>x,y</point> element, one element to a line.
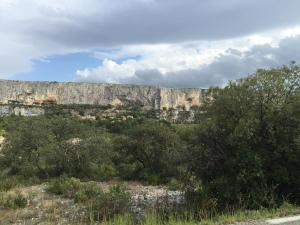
<point>248,215</point>
<point>21,203</point>
<point>111,208</point>
<point>12,200</point>
<point>101,205</point>
<point>229,218</point>
<point>9,182</point>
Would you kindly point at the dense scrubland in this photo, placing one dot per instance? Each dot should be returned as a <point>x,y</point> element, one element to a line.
<point>239,159</point>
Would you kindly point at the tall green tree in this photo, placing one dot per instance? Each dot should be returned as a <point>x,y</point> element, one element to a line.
<point>30,148</point>
<point>247,147</point>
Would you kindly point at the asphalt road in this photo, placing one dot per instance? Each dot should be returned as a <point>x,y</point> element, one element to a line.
<point>293,220</point>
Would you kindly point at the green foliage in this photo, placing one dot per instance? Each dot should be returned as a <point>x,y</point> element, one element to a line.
<point>114,202</point>
<point>152,147</point>
<point>87,192</point>
<point>7,183</point>
<point>145,149</point>
<point>64,186</point>
<point>20,201</point>
<point>10,201</point>
<point>174,184</point>
<point>117,126</point>
<point>152,218</point>
<point>28,148</point>
<point>66,146</point>
<point>102,205</point>
<point>2,132</point>
<point>153,179</point>
<point>245,150</point>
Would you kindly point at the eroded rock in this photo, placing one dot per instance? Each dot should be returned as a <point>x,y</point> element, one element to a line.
<point>147,97</point>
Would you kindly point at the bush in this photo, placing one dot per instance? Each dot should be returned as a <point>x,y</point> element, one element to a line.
<point>198,200</point>
<point>28,152</point>
<point>7,183</point>
<point>102,172</point>
<point>20,201</point>
<point>247,141</point>
<point>112,203</point>
<point>102,205</point>
<point>11,201</point>
<point>64,186</point>
<point>151,148</point>
<point>154,179</point>
<point>174,184</point>
<point>88,192</point>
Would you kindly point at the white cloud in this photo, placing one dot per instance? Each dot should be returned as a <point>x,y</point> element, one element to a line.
<point>167,60</point>
<point>194,32</point>
<point>163,58</point>
<point>231,65</point>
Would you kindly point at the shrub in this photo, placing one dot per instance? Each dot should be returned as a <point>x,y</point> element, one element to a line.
<point>88,192</point>
<point>112,203</point>
<point>102,205</point>
<point>7,183</point>
<point>129,171</point>
<point>103,171</point>
<point>198,200</point>
<point>107,171</point>
<point>153,179</point>
<point>152,147</point>
<point>11,201</point>
<point>20,201</point>
<point>64,186</point>
<point>174,184</point>
<point>247,140</point>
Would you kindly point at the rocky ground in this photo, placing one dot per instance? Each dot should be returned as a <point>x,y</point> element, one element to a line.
<point>45,208</point>
<point>42,208</point>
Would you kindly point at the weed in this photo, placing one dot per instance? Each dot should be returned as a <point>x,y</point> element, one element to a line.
<point>7,183</point>
<point>13,201</point>
<point>64,186</point>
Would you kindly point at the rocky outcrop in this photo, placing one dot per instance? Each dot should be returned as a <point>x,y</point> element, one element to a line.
<point>146,97</point>
<point>2,140</point>
<point>8,110</point>
<point>185,98</point>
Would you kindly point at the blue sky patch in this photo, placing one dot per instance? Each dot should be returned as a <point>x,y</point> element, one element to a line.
<point>59,67</point>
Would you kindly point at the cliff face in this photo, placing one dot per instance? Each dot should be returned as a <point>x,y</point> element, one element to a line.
<point>146,97</point>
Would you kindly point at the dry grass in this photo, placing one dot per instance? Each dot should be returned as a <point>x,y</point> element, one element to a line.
<point>47,209</point>
<point>42,208</point>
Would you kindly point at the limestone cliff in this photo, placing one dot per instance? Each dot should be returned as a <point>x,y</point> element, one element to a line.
<point>146,97</point>
<point>2,139</point>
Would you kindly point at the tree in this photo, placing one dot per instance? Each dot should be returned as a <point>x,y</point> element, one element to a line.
<point>152,147</point>
<point>246,150</point>
<point>87,158</point>
<point>28,151</point>
<point>45,147</point>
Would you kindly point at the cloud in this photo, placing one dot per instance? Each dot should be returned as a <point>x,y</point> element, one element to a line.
<point>32,29</point>
<point>113,23</point>
<point>163,58</point>
<point>229,65</point>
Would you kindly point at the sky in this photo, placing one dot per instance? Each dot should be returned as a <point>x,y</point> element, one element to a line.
<point>170,43</point>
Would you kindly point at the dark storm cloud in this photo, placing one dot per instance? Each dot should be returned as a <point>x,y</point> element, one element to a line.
<point>164,21</point>
<point>230,66</point>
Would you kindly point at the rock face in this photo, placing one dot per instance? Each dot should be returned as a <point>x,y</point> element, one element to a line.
<point>7,110</point>
<point>146,97</point>
<point>2,139</point>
